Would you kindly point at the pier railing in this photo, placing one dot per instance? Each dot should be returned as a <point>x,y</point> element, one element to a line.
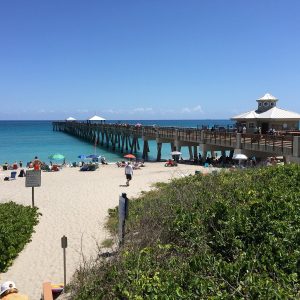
<point>275,144</point>
<point>282,145</point>
<point>220,138</point>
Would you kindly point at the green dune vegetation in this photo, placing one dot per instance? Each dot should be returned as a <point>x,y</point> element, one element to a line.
<point>226,236</point>
<point>16,227</point>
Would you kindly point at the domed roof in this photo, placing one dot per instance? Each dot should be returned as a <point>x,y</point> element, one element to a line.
<point>267,96</point>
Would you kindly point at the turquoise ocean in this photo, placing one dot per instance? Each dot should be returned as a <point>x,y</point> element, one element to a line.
<point>23,140</point>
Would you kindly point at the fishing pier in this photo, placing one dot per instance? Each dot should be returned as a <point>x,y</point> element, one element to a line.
<point>132,138</point>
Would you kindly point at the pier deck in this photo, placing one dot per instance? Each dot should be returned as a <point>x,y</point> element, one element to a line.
<point>126,138</point>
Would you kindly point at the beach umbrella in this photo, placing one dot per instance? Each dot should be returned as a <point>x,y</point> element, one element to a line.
<point>56,156</point>
<point>130,156</point>
<point>82,156</point>
<point>176,153</point>
<point>240,156</point>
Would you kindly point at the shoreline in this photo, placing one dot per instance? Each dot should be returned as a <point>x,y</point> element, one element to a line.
<point>74,204</point>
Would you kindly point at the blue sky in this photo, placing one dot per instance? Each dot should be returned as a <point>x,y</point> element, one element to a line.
<point>153,59</point>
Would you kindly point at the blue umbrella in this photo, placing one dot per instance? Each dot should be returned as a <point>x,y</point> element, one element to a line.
<point>82,156</point>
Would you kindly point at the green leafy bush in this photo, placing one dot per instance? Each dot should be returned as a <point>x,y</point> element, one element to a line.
<point>227,236</point>
<point>16,227</point>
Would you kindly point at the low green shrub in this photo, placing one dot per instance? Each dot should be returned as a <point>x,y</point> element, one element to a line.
<point>227,236</point>
<point>16,227</point>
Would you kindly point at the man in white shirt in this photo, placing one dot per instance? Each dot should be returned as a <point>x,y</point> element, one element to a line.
<point>128,172</point>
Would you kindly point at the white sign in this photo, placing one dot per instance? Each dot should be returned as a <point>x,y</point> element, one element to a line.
<point>33,178</point>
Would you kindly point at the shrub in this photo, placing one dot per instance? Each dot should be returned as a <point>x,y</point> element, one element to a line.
<point>227,236</point>
<point>16,227</point>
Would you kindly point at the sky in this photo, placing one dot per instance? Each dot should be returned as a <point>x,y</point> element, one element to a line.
<point>146,59</point>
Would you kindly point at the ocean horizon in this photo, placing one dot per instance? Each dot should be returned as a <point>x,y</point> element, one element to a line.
<point>22,140</point>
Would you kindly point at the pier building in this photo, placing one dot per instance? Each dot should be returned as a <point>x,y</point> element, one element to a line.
<point>267,116</point>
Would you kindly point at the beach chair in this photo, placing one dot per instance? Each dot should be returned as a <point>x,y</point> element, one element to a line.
<point>12,176</point>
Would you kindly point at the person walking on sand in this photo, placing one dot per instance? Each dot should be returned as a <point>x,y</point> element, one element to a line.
<point>128,172</point>
<point>8,291</point>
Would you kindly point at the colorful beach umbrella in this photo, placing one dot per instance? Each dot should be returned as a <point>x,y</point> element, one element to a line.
<point>130,156</point>
<point>57,156</point>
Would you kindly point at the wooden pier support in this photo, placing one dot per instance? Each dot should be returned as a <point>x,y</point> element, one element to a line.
<point>159,146</point>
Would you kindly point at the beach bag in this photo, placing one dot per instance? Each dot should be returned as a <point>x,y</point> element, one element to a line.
<point>6,178</point>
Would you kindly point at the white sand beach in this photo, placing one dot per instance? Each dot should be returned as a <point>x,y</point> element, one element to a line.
<point>74,204</point>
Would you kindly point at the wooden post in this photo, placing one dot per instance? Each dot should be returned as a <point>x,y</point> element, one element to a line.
<point>123,214</point>
<point>64,245</point>
<point>32,192</point>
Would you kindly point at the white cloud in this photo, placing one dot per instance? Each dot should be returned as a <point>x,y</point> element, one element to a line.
<point>143,109</point>
<point>110,111</point>
<point>189,110</point>
<point>198,108</point>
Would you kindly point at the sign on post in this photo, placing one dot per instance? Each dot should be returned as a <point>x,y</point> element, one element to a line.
<point>123,213</point>
<point>33,179</point>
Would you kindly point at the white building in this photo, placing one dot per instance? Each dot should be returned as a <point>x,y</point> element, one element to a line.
<point>267,116</point>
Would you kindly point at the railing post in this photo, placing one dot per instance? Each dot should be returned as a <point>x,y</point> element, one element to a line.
<point>202,136</point>
<point>296,146</point>
<point>238,141</point>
